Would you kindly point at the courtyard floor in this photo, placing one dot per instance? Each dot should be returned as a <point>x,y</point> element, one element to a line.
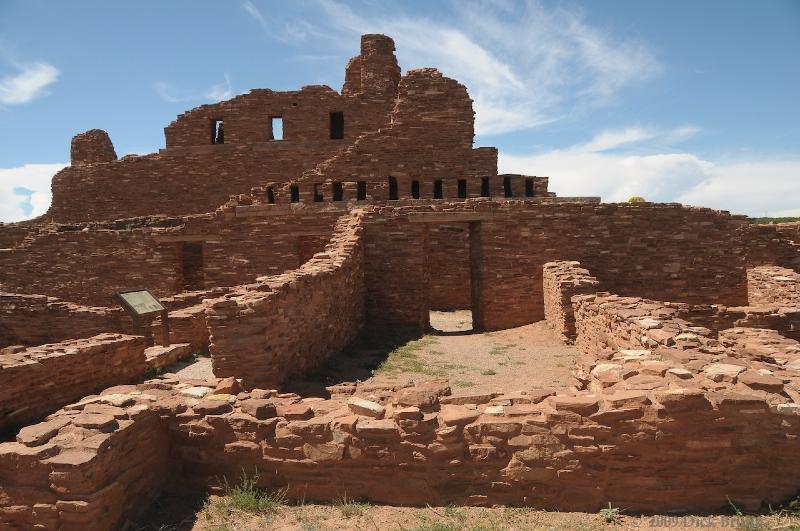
<point>522,358</point>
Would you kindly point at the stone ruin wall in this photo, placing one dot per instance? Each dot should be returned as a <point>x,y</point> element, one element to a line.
<point>289,324</point>
<point>658,395</point>
<point>560,281</point>
<point>449,267</point>
<point>429,137</point>
<point>655,251</point>
<point>94,263</point>
<point>660,385</point>
<point>193,175</point>
<point>35,381</point>
<point>771,286</point>
<point>37,319</point>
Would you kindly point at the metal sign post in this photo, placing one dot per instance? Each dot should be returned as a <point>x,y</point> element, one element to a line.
<point>140,303</point>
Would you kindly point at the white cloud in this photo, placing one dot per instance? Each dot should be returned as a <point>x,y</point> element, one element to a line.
<point>525,65</point>
<point>756,188</point>
<point>253,11</point>
<point>215,93</point>
<point>220,92</point>
<point>25,190</point>
<point>28,84</point>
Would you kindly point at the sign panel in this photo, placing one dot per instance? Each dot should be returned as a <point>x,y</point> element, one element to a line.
<point>140,302</point>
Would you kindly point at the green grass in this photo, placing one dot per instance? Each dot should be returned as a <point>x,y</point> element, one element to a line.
<point>247,497</point>
<point>349,507</point>
<point>463,383</point>
<point>405,358</point>
<point>765,220</point>
<point>611,514</point>
<point>488,372</point>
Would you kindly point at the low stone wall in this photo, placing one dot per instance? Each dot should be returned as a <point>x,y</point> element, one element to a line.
<point>784,320</point>
<point>38,380</point>
<point>288,324</point>
<point>86,467</point>
<point>771,285</point>
<point>640,441</point>
<point>562,280</point>
<point>186,325</point>
<point>37,319</point>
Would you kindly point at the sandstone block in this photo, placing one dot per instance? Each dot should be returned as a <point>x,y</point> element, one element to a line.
<point>367,408</point>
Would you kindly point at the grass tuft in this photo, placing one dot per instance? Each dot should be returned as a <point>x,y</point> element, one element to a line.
<point>247,497</point>
<point>611,514</point>
<point>350,507</point>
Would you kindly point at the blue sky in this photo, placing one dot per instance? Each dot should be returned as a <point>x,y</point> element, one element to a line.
<point>674,100</point>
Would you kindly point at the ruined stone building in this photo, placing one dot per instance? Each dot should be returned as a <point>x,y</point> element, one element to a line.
<point>276,226</point>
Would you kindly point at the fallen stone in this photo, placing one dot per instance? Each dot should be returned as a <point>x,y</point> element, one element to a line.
<point>96,421</point>
<point>258,408</point>
<point>453,415</point>
<point>38,434</point>
<point>294,411</point>
<point>719,372</point>
<point>212,407</point>
<point>196,392</point>
<point>367,408</point>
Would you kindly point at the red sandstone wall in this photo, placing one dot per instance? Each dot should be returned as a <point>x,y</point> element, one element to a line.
<point>288,324</point>
<point>87,267</point>
<point>429,137</point>
<point>37,319</point>
<point>194,175</point>
<point>92,264</point>
<point>448,267</point>
<point>112,468</point>
<point>38,380</point>
<point>562,280</point>
<point>178,181</point>
<point>637,440</point>
<point>659,251</point>
<point>396,272</point>
<point>770,286</point>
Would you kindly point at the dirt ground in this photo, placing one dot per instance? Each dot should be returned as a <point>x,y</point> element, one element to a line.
<point>526,357</point>
<point>221,514</point>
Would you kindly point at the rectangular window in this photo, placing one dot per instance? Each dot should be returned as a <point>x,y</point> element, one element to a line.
<point>462,188</point>
<point>276,127</point>
<point>217,132</point>
<point>318,193</point>
<point>392,189</point>
<point>415,189</point>
<point>529,187</point>
<point>507,187</point>
<point>437,189</point>
<point>362,191</point>
<point>294,190</point>
<point>485,192</point>
<point>338,192</point>
<point>337,125</point>
<point>270,195</point>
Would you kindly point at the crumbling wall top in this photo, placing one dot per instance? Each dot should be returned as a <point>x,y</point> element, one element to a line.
<point>92,146</point>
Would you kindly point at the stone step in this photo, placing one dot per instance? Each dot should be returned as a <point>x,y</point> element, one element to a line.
<point>159,356</point>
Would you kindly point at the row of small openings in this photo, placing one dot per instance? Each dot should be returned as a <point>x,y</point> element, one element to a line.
<point>438,190</point>
<point>276,128</point>
<point>462,188</point>
<point>337,187</point>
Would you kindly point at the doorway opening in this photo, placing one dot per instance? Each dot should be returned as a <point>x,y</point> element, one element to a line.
<point>191,266</point>
<point>450,269</point>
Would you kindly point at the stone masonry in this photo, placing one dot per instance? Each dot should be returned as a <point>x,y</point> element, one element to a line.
<point>277,226</point>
